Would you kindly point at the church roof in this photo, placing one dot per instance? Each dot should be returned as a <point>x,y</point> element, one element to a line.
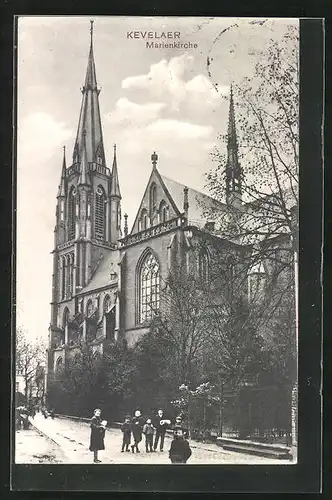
<point>101,277</point>
<point>199,202</point>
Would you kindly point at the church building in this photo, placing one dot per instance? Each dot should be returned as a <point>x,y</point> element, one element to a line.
<point>107,280</point>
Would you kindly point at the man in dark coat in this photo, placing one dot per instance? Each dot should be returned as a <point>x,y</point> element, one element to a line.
<point>180,450</point>
<point>137,427</point>
<point>160,424</point>
<point>97,435</point>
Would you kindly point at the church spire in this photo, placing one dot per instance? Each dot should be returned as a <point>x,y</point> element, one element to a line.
<point>90,120</point>
<point>115,187</point>
<point>84,178</point>
<point>61,189</point>
<point>233,167</point>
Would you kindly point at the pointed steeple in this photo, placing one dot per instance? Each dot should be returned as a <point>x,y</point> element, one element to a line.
<point>233,167</point>
<point>62,187</point>
<point>115,187</point>
<point>84,178</point>
<point>90,120</point>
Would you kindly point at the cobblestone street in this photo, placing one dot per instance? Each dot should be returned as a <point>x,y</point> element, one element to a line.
<point>68,442</point>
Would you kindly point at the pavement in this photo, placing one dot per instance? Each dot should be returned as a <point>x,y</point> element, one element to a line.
<point>33,447</point>
<point>70,440</point>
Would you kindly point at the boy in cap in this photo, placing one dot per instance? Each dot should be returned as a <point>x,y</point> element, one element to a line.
<point>180,450</point>
<point>148,431</point>
<point>126,431</point>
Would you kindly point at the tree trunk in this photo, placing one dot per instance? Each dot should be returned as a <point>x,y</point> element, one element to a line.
<point>189,415</point>
<point>294,405</point>
<point>221,408</point>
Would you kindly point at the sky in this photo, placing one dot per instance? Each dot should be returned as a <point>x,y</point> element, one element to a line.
<point>151,99</point>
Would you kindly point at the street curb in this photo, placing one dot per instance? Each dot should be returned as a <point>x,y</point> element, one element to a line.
<point>42,433</point>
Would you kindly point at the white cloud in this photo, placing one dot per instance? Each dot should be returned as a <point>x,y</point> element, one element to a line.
<point>180,129</point>
<point>167,79</point>
<point>130,113</point>
<point>39,134</point>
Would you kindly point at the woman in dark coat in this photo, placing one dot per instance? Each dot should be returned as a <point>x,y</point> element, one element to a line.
<point>97,435</point>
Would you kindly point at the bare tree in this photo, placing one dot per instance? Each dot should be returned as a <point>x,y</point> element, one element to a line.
<point>266,222</point>
<point>29,355</point>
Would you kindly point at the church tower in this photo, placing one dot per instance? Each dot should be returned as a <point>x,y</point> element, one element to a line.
<point>234,173</point>
<point>88,213</point>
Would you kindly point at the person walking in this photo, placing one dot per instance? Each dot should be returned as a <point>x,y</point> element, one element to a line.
<point>97,434</point>
<point>160,423</point>
<point>148,431</point>
<point>180,450</point>
<point>126,431</point>
<point>136,427</point>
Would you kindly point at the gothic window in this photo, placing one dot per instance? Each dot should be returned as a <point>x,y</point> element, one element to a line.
<point>62,210</point>
<point>100,213</point>
<point>89,308</point>
<point>72,214</point>
<point>149,288</point>
<point>107,304</point>
<point>203,265</point>
<point>139,225</point>
<point>59,364</point>
<point>63,277</point>
<point>256,282</point>
<point>153,199</point>
<point>144,219</point>
<point>89,206</point>
<point>71,274</point>
<point>99,156</point>
<point>163,211</point>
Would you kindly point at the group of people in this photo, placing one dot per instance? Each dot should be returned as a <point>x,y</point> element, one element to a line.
<point>154,430</point>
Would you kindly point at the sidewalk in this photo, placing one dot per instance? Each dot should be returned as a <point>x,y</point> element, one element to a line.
<point>73,437</point>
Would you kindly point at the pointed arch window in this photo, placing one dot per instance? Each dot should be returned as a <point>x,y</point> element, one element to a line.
<point>100,213</point>
<point>153,199</point>
<point>144,219</point>
<point>257,279</point>
<point>204,266</point>
<point>107,304</point>
<point>149,288</point>
<point>63,277</point>
<point>99,156</point>
<point>59,364</point>
<point>89,308</point>
<point>163,211</point>
<point>65,318</point>
<point>62,210</point>
<point>72,213</point>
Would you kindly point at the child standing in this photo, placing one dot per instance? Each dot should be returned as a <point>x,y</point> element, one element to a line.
<point>148,431</point>
<point>126,431</point>
<point>136,427</point>
<point>180,450</point>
